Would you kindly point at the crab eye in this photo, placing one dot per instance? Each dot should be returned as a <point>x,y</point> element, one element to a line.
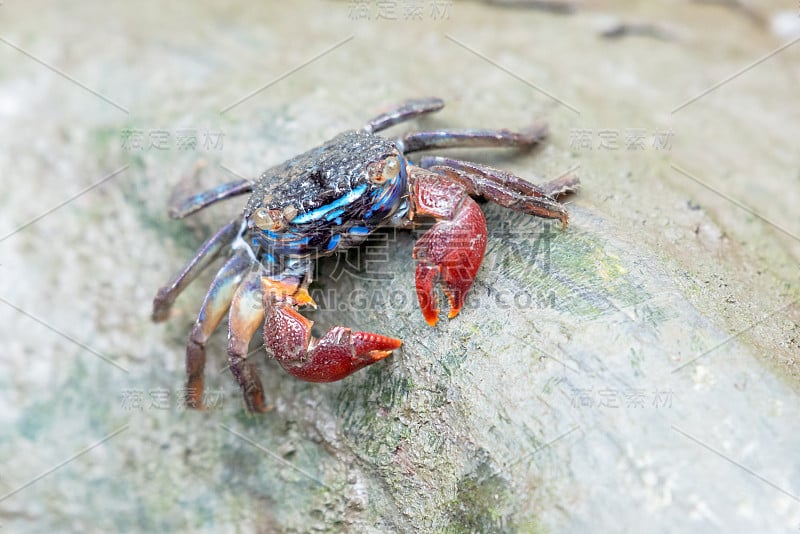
<point>289,213</point>
<point>391,168</point>
<point>385,171</point>
<point>268,219</point>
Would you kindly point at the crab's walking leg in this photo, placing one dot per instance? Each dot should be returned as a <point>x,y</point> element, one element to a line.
<point>191,204</point>
<point>210,250</point>
<point>416,141</point>
<point>504,188</point>
<point>216,303</point>
<point>452,249</point>
<point>246,315</point>
<point>562,185</point>
<point>182,205</point>
<point>336,355</point>
<point>403,112</point>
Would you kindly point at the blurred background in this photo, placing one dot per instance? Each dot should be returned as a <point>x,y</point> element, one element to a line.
<point>636,372</point>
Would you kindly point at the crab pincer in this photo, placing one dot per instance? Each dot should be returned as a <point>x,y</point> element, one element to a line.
<point>452,249</point>
<point>287,334</point>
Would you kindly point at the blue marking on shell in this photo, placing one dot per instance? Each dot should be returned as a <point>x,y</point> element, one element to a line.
<point>300,241</point>
<point>359,230</point>
<point>384,201</point>
<point>333,215</point>
<point>338,203</point>
<point>286,237</point>
<point>282,244</point>
<point>334,241</point>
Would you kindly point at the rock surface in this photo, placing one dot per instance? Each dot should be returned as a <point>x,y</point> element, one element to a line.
<point>637,371</point>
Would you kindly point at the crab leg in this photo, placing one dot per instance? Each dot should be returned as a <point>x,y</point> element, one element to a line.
<point>208,253</point>
<point>416,141</point>
<point>287,334</point>
<point>216,303</point>
<point>562,185</point>
<point>403,112</point>
<point>504,188</point>
<point>191,204</point>
<point>246,315</point>
<point>452,249</point>
<point>187,205</point>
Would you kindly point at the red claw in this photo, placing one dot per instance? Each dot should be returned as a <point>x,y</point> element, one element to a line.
<point>339,353</point>
<point>452,249</point>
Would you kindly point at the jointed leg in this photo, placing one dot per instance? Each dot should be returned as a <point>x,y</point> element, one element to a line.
<point>403,112</point>
<point>504,188</point>
<point>190,204</point>
<point>246,315</point>
<point>210,250</point>
<point>562,185</point>
<point>416,141</point>
<point>216,303</point>
<point>194,203</point>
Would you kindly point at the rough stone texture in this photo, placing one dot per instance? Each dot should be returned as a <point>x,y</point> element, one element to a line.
<point>552,403</point>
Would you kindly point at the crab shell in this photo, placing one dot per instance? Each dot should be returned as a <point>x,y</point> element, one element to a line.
<point>329,197</point>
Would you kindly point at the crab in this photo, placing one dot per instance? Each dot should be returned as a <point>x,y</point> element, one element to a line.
<point>325,201</point>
